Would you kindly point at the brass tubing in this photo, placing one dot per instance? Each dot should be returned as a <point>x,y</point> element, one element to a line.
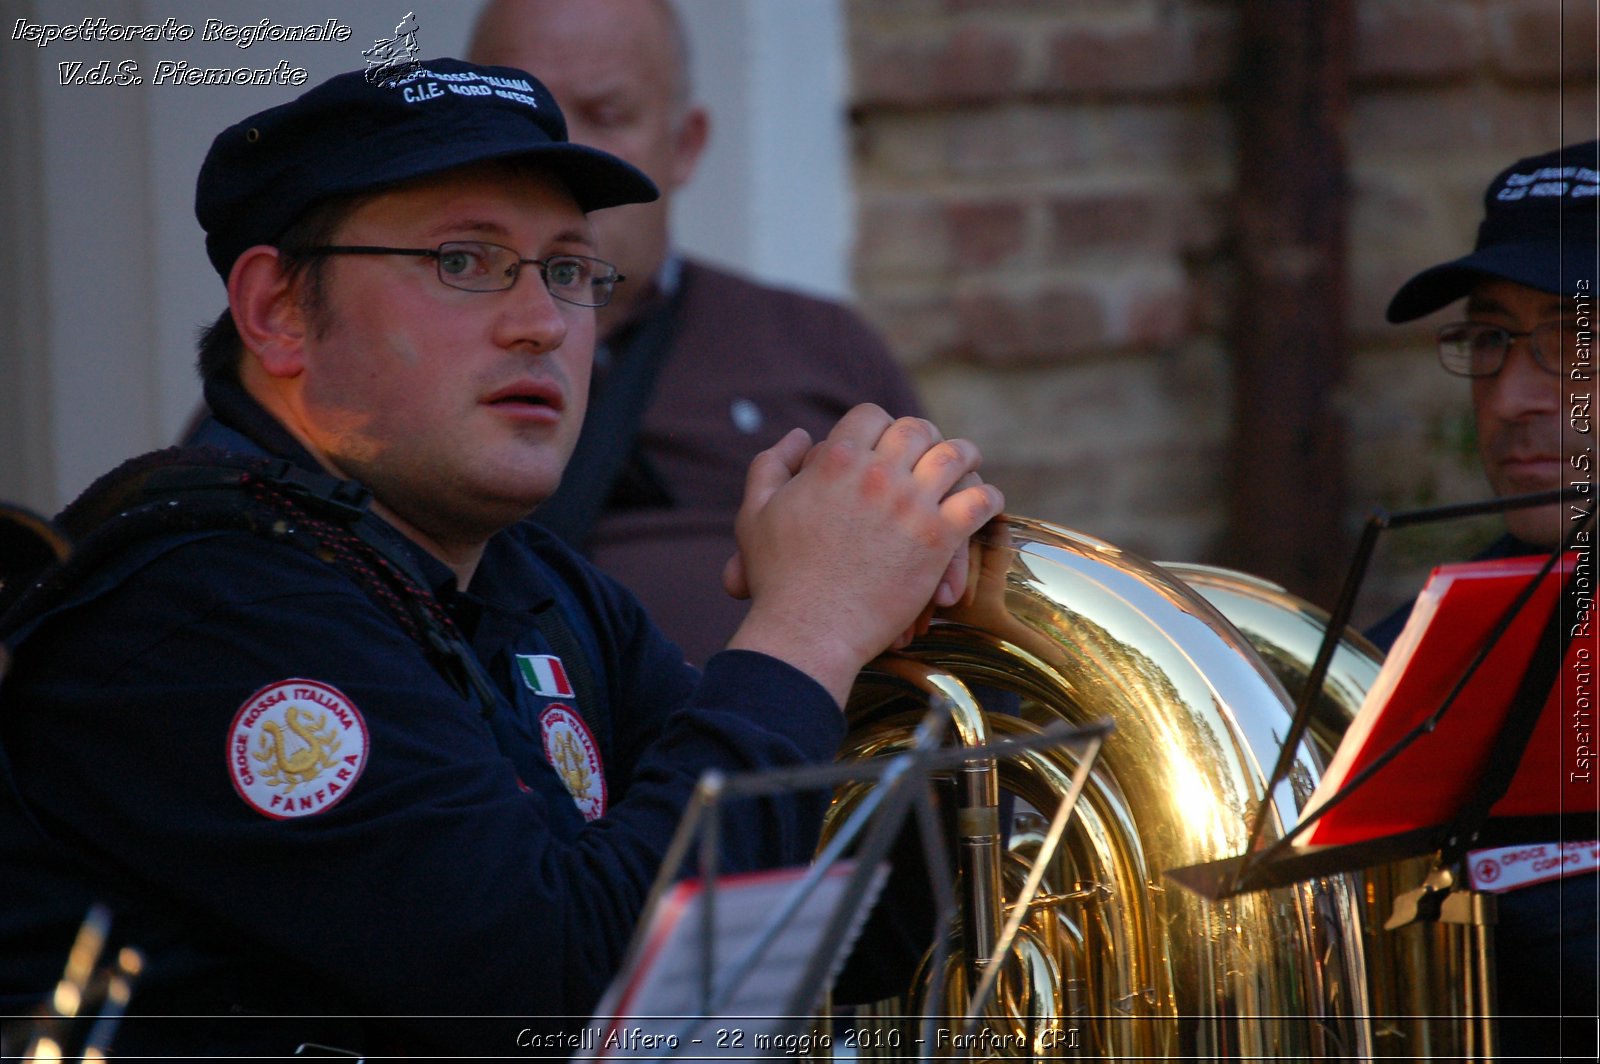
<point>1111,954</point>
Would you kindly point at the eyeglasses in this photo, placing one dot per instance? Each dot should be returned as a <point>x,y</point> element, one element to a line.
<point>473,266</point>
<point>1477,349</point>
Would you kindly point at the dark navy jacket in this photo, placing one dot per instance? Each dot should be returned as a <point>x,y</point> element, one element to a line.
<point>438,866</point>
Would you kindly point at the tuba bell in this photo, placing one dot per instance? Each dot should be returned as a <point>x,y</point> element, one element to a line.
<point>1112,960</point>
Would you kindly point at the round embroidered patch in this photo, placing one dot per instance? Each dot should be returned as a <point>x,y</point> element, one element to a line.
<point>570,748</point>
<point>295,748</point>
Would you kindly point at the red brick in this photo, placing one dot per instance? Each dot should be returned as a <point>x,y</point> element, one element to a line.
<point>1403,222</point>
<point>990,7</point>
<point>1386,202</point>
<point>1004,329</point>
<point>1211,295</point>
<point>1129,221</point>
<point>900,235</point>
<point>1066,493</point>
<point>1369,288</point>
<point>1415,40</point>
<point>1544,41</point>
<point>1060,140</point>
<point>1185,138</point>
<point>917,325</point>
<point>1082,222</point>
<point>871,12</point>
<point>1444,122</point>
<point>985,234</point>
<point>1157,318</point>
<point>1187,478</point>
<point>1076,164</point>
<point>1019,139</point>
<point>905,145</point>
<point>969,63</point>
<point>1068,322</point>
<point>1179,53</point>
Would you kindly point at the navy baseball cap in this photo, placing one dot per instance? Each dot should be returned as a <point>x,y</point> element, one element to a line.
<point>1539,229</point>
<point>352,134</point>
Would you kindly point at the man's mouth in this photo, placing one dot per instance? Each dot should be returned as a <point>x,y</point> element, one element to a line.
<point>528,395</point>
<point>1532,472</point>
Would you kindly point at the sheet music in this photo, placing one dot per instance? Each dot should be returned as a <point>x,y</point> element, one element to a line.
<point>659,1008</point>
<point>1429,781</point>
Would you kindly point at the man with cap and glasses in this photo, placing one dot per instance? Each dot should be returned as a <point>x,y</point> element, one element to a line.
<point>342,740</point>
<point>1526,343</point>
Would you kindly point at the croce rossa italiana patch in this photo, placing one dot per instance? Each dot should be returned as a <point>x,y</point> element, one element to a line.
<point>573,753</point>
<point>295,748</point>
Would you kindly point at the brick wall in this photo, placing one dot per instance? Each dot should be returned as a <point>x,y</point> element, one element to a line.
<point>1045,239</point>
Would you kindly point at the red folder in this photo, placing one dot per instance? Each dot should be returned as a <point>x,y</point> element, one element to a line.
<point>1431,780</point>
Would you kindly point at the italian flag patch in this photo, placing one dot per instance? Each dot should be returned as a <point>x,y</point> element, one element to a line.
<point>545,675</point>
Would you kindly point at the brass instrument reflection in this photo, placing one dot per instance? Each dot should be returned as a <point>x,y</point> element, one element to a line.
<point>1112,961</point>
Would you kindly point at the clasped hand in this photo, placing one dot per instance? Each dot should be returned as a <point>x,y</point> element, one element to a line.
<point>847,546</point>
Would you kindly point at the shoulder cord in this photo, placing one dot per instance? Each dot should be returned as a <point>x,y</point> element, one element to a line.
<point>193,489</point>
<point>359,546</point>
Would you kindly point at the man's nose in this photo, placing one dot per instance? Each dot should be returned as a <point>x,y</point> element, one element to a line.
<point>1522,386</point>
<point>532,316</point>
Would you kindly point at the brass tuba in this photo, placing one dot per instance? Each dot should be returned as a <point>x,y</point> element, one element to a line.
<point>1113,961</point>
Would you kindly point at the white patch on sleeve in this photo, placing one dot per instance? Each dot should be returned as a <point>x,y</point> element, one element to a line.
<point>573,753</point>
<point>295,748</point>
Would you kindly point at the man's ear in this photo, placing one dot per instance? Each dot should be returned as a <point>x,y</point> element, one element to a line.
<point>689,143</point>
<point>267,311</point>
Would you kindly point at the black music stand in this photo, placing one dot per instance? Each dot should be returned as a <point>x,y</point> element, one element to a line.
<point>1439,897</point>
<point>902,788</point>
<point>1282,863</point>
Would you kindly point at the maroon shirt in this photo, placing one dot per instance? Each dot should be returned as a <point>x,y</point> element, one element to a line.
<point>748,363</point>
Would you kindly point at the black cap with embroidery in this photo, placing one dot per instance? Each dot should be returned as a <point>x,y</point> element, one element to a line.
<point>352,134</point>
<point>1539,229</point>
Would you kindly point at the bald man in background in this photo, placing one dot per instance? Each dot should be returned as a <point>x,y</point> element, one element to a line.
<point>698,369</point>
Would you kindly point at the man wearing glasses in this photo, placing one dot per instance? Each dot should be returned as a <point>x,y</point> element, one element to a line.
<point>331,728</point>
<point>1527,282</point>
<point>1527,345</point>
<point>698,368</point>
